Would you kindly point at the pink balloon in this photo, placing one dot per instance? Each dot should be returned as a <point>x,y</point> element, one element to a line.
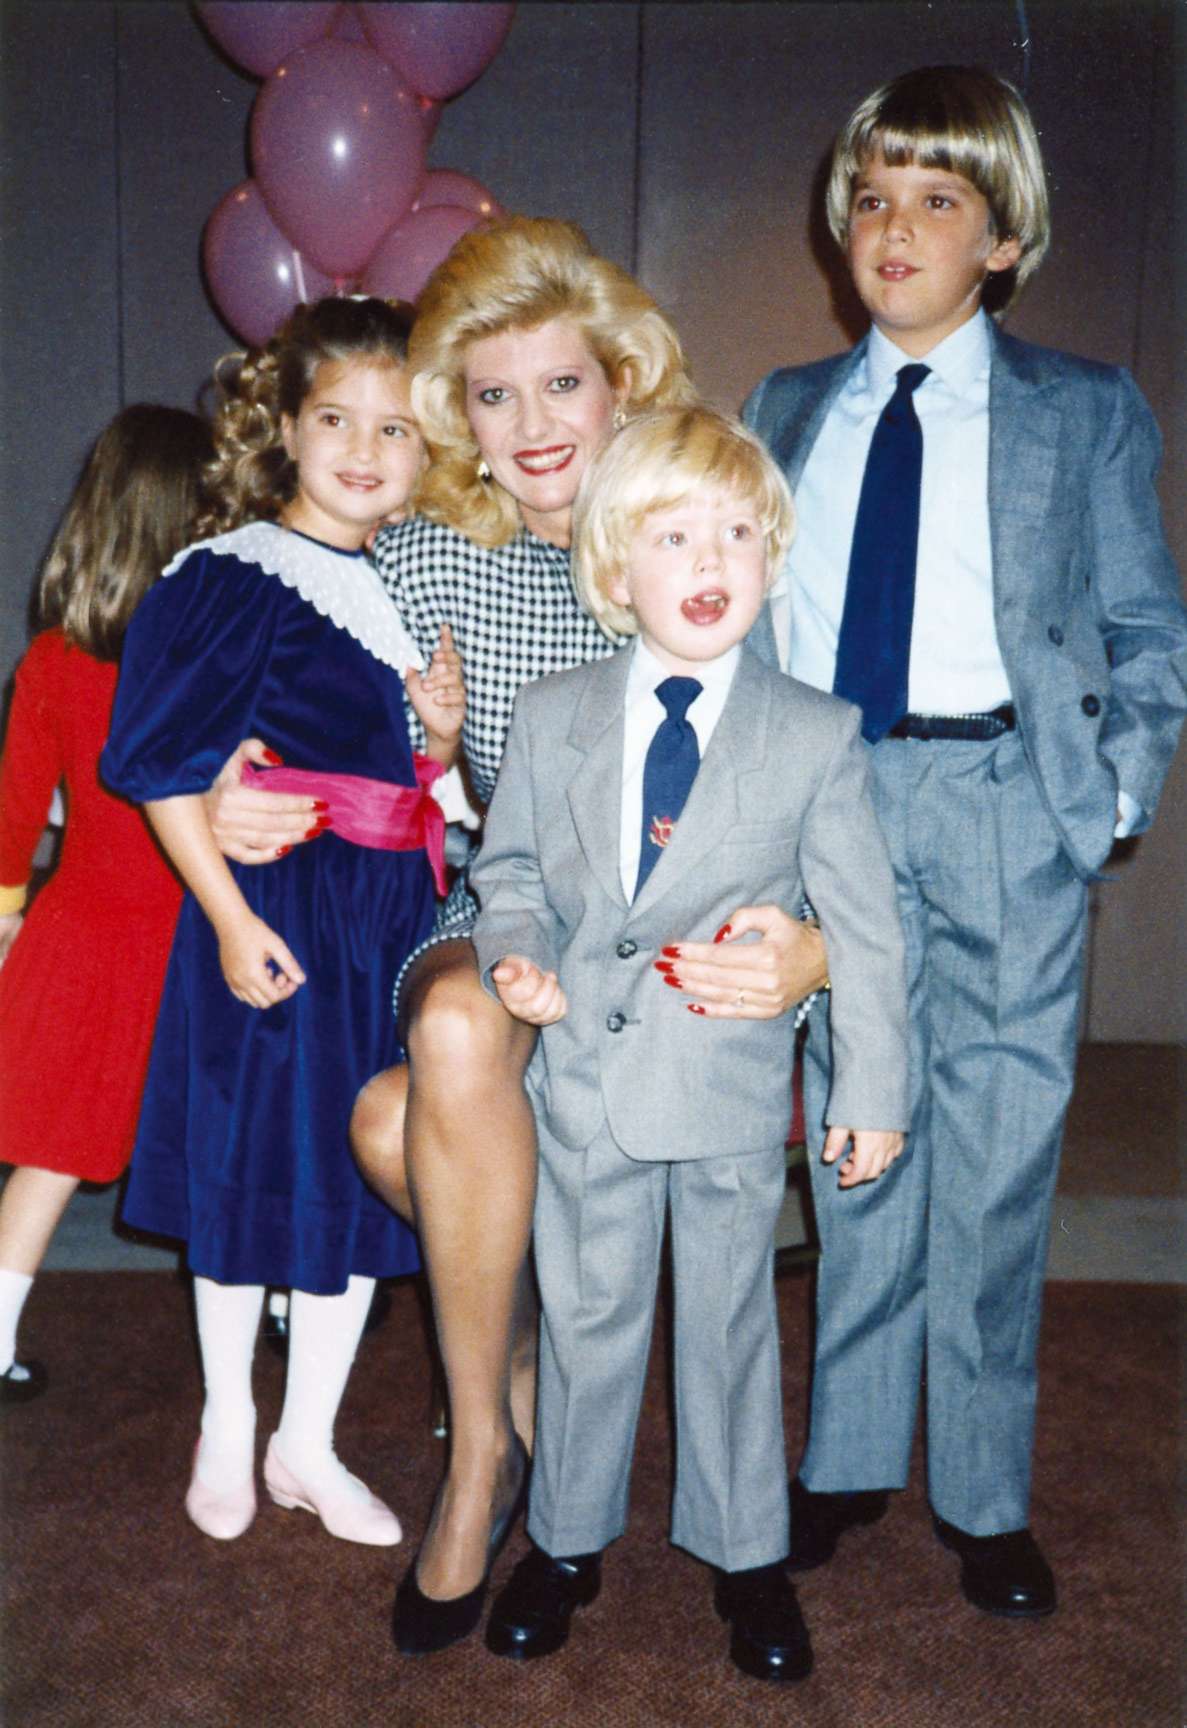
<point>338,149</point>
<point>438,48</point>
<point>259,33</point>
<point>255,275</point>
<point>446,186</point>
<point>407,257</point>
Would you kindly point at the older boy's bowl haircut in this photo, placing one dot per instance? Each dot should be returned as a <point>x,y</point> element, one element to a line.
<point>517,274</point>
<point>966,121</point>
<point>655,463</point>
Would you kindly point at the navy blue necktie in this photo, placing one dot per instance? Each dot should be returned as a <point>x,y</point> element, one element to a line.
<point>874,646</point>
<point>673,758</point>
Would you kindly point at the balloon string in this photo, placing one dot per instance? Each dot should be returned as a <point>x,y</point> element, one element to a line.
<point>300,275</point>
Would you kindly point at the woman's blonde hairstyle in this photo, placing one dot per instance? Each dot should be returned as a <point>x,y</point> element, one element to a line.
<point>966,121</point>
<point>516,275</point>
<point>655,463</point>
<point>133,508</point>
<point>252,476</point>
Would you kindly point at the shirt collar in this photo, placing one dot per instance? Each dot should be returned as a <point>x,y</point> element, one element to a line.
<point>956,361</point>
<point>647,673</point>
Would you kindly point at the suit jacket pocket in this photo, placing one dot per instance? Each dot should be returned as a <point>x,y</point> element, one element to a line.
<point>762,834</point>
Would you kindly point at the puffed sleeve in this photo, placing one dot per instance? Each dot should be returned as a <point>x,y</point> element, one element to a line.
<point>194,659</point>
<point>32,763</point>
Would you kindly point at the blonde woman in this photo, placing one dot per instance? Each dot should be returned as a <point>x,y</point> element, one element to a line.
<point>527,349</point>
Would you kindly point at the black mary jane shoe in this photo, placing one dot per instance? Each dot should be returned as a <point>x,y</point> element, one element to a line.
<point>532,1611</point>
<point>21,1382</point>
<point>424,1624</point>
<point>1004,1575</point>
<point>768,1637</point>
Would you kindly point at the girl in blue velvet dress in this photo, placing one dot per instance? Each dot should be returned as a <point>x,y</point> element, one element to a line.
<point>276,1006</point>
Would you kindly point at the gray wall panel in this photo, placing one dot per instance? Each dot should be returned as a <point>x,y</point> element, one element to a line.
<point>183,117</point>
<point>686,139</point>
<point>59,380</point>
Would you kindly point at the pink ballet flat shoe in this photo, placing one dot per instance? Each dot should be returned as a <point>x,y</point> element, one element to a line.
<point>354,1515</point>
<point>223,1516</point>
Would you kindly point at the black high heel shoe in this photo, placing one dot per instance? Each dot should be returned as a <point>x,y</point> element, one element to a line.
<point>422,1624</point>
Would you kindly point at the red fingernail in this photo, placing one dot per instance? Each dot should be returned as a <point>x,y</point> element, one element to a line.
<point>671,978</point>
<point>723,933</point>
<point>663,966</point>
<point>320,804</point>
<point>282,850</point>
<point>312,833</point>
<point>695,1008</point>
<point>273,758</point>
<point>672,953</point>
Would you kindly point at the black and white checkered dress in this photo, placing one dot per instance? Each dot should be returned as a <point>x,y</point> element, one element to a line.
<point>514,617</point>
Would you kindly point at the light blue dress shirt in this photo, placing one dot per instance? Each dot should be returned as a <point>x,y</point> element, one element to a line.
<point>956,665</point>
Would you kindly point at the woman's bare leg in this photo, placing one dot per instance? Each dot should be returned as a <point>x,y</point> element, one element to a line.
<point>377,1138</point>
<point>471,1170</point>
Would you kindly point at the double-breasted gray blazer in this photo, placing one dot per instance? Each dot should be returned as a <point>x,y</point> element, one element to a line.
<point>1087,603</point>
<point>779,808</point>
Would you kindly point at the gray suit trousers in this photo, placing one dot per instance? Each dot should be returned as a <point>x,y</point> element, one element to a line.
<point>598,1236</point>
<point>941,1262</point>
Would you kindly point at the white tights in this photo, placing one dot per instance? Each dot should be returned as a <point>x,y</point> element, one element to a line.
<point>324,1332</point>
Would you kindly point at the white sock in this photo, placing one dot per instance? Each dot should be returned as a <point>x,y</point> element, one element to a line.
<point>14,1287</point>
<point>324,1333</point>
<point>228,1320</point>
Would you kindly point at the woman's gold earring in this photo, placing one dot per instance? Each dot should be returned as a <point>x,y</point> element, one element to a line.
<point>619,418</point>
<point>484,472</point>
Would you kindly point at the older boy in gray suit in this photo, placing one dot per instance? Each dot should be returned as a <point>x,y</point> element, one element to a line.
<point>980,565</point>
<point>591,860</point>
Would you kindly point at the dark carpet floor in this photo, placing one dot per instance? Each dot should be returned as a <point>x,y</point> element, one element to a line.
<point>119,1614</point>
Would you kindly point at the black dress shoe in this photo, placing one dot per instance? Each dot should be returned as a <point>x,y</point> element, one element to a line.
<point>1004,1574</point>
<point>768,1638</point>
<point>423,1624</point>
<point>531,1613</point>
<point>21,1382</point>
<point>818,1522</point>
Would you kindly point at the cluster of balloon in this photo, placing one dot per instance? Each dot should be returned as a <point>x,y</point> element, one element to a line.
<point>340,197</point>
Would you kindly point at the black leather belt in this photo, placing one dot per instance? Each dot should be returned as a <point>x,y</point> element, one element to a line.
<point>966,726</point>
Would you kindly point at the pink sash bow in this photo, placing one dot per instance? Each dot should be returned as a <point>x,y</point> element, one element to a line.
<point>371,812</point>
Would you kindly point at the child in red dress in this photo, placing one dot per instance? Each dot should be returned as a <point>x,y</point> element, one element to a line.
<point>75,1029</point>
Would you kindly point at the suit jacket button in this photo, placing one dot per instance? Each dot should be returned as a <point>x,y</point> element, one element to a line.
<point>626,949</point>
<point>1055,634</point>
<point>1090,706</point>
<point>615,1022</point>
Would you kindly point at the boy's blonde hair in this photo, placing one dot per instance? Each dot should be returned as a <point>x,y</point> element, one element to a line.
<point>965,121</point>
<point>252,476</point>
<point>655,463</point>
<point>516,275</point>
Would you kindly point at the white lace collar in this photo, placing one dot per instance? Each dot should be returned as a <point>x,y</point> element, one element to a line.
<point>339,585</point>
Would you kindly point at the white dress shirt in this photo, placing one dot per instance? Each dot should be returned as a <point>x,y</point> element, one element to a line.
<point>643,714</point>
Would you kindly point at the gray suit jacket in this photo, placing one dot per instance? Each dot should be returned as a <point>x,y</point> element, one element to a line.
<point>1089,614</point>
<point>779,807</point>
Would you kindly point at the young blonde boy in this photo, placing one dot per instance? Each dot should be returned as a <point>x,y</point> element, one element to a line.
<point>644,1105</point>
<point>980,565</point>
